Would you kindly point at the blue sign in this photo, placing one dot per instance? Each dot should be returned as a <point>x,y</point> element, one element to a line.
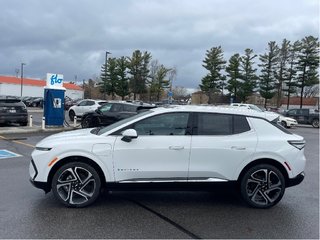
<point>7,154</point>
<point>170,94</point>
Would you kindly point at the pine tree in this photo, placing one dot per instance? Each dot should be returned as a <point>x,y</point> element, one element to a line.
<point>122,87</point>
<point>234,75</point>
<point>290,75</point>
<point>248,75</point>
<point>109,78</point>
<point>213,81</point>
<point>283,68</point>
<point>308,64</point>
<point>269,61</point>
<point>139,70</point>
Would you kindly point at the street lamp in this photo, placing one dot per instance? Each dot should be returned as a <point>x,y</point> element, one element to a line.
<point>22,64</point>
<point>105,70</point>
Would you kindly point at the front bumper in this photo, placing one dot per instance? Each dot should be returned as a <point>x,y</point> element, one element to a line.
<point>33,171</point>
<point>295,181</point>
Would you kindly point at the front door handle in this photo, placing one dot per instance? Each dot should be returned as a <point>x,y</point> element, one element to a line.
<point>176,147</point>
<point>238,148</point>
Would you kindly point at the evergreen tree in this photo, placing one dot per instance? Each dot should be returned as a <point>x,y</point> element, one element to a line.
<point>122,87</point>
<point>248,75</point>
<point>109,78</point>
<point>139,70</point>
<point>160,83</point>
<point>213,81</point>
<point>269,61</point>
<point>290,75</point>
<point>234,76</point>
<point>283,68</point>
<point>308,64</point>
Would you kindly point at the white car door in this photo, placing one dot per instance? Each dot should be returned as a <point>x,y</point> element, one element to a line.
<point>220,144</point>
<point>159,154</point>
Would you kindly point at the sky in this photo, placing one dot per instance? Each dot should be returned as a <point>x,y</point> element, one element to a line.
<point>71,37</point>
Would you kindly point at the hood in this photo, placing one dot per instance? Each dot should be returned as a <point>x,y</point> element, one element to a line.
<point>65,137</point>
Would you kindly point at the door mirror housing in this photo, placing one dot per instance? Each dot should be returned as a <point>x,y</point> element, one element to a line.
<point>128,135</point>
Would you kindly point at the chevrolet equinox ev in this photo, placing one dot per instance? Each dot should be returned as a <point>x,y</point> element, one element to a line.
<point>175,146</point>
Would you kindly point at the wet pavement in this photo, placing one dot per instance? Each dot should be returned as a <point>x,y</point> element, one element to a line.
<point>26,212</point>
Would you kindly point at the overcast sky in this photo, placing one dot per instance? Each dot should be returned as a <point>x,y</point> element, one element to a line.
<point>71,36</point>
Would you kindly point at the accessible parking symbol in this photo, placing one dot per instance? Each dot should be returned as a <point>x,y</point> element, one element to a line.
<point>7,154</point>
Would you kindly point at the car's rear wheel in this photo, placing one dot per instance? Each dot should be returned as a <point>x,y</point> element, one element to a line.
<point>262,186</point>
<point>71,115</point>
<point>76,184</point>
<point>315,123</point>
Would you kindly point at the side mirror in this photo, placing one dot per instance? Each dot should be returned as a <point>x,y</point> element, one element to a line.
<point>128,135</point>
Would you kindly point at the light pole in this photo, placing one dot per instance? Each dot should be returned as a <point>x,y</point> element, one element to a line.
<point>105,70</point>
<point>22,64</point>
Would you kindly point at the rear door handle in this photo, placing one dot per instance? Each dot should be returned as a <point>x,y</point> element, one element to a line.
<point>176,147</point>
<point>238,148</point>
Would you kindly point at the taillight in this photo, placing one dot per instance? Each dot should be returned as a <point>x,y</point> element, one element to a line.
<point>300,144</point>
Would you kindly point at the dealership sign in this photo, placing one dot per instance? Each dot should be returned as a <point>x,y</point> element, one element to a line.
<point>54,80</point>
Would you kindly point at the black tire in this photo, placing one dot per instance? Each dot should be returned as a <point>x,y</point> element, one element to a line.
<point>76,184</point>
<point>262,186</point>
<point>284,124</point>
<point>23,123</point>
<point>315,123</point>
<point>71,115</point>
<point>86,122</point>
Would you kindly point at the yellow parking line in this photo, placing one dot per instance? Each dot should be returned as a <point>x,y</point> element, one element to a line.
<point>18,142</point>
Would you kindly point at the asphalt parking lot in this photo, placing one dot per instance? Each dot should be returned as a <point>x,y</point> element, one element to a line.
<point>26,212</point>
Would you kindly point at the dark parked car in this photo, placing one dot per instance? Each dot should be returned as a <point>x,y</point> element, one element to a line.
<point>36,102</point>
<point>304,116</point>
<point>112,112</point>
<point>26,100</point>
<point>13,110</point>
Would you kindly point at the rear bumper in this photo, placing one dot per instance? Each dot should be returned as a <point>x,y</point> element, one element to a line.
<point>17,118</point>
<point>295,181</point>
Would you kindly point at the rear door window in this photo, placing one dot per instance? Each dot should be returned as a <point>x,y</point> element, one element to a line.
<point>220,124</point>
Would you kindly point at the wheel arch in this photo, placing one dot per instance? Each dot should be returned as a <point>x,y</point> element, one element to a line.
<point>76,159</point>
<point>270,161</point>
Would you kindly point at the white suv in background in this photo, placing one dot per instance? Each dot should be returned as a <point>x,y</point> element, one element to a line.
<point>284,121</point>
<point>182,146</point>
<point>86,105</point>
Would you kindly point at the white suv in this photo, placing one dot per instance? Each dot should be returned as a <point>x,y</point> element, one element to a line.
<point>284,121</point>
<point>86,105</point>
<point>180,146</point>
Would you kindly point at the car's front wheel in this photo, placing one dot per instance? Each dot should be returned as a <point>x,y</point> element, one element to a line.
<point>71,115</point>
<point>284,124</point>
<point>86,122</point>
<point>262,186</point>
<point>76,184</point>
<point>315,123</point>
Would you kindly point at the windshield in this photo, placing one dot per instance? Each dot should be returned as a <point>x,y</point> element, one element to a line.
<point>123,121</point>
<point>254,107</point>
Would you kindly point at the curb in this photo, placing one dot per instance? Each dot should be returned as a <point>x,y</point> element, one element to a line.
<point>16,130</point>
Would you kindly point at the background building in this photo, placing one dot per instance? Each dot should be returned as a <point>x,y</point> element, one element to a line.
<point>33,87</point>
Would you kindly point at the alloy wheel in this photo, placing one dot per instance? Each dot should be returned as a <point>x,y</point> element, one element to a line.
<point>263,187</point>
<point>76,185</point>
